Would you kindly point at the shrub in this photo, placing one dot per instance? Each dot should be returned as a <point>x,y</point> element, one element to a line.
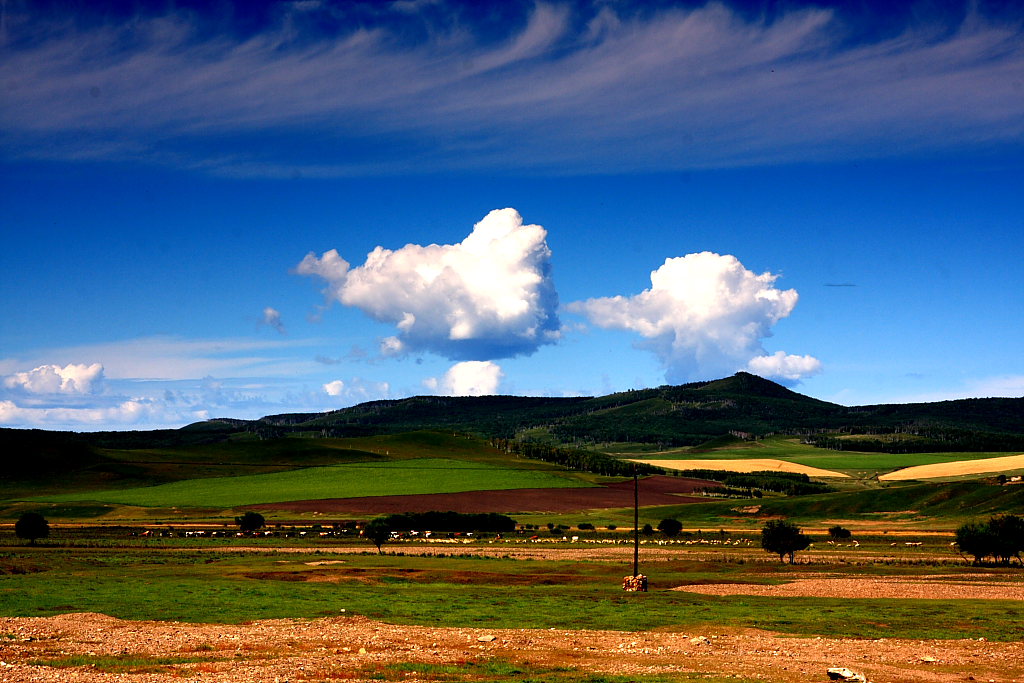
<point>670,527</point>
<point>250,521</point>
<point>838,533</point>
<point>32,525</point>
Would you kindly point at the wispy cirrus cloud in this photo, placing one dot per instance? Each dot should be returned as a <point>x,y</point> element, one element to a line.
<point>172,358</point>
<point>558,89</point>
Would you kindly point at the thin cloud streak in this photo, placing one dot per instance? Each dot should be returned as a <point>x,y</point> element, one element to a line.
<point>172,358</point>
<point>675,89</point>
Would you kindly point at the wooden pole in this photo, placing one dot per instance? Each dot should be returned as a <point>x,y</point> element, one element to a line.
<point>636,522</point>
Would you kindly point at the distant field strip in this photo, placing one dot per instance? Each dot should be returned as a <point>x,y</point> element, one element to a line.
<point>418,476</point>
<point>745,465</point>
<point>955,469</point>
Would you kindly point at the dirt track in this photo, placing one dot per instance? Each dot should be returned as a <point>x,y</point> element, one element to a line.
<point>355,648</point>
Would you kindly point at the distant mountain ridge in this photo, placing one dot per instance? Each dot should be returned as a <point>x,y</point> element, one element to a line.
<point>683,415</point>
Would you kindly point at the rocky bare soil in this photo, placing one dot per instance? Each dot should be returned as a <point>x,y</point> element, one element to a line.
<point>356,648</point>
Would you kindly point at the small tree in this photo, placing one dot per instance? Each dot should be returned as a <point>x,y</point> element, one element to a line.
<point>647,530</point>
<point>250,521</point>
<point>1001,537</point>
<point>780,537</point>
<point>378,531</point>
<point>1009,533</point>
<point>32,525</point>
<point>670,527</point>
<point>838,533</point>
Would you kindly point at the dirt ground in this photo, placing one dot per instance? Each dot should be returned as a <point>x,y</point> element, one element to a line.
<point>654,490</point>
<point>939,587</point>
<point>356,648</point>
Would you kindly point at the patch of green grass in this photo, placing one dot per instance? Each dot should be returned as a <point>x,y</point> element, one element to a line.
<point>503,671</point>
<point>488,593</point>
<point>125,664</point>
<point>790,449</point>
<point>403,477</point>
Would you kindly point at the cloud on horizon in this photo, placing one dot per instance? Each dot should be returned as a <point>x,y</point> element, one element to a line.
<point>704,317</point>
<point>490,296</point>
<point>547,87</point>
<point>469,378</point>
<point>73,378</point>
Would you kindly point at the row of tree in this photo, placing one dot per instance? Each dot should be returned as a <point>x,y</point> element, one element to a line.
<point>1001,538</point>
<point>788,483</point>
<point>574,458</point>
<point>921,440</point>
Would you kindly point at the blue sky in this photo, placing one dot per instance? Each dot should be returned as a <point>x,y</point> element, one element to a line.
<point>564,198</point>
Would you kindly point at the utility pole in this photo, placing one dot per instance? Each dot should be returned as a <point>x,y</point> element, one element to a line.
<point>636,522</point>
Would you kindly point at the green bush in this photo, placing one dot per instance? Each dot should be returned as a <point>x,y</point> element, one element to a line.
<point>782,538</point>
<point>1001,538</point>
<point>670,527</point>
<point>31,526</point>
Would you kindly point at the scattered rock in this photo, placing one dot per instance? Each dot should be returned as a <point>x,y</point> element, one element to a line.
<point>927,659</point>
<point>487,639</point>
<point>841,673</point>
<point>700,640</point>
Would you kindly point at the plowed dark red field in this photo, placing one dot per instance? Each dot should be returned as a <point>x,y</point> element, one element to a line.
<point>654,490</point>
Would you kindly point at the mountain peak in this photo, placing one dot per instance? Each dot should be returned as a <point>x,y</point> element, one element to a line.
<point>752,385</point>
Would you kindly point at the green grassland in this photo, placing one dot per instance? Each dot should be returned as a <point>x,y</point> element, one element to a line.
<point>855,463</point>
<point>494,593</point>
<point>189,482</point>
<point>94,468</point>
<point>402,477</point>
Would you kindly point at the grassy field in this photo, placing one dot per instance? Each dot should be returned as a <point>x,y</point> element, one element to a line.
<point>854,463</point>
<point>427,475</point>
<point>494,593</point>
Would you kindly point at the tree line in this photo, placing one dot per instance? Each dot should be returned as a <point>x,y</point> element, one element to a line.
<point>574,458</point>
<point>788,483</point>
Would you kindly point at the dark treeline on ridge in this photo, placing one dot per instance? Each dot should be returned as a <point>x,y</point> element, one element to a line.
<point>667,416</point>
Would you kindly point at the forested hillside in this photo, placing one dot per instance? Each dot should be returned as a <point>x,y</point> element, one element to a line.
<point>667,416</point>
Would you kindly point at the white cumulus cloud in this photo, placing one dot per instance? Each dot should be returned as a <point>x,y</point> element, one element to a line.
<point>783,367</point>
<point>489,296</point>
<point>335,388</point>
<point>357,390</point>
<point>704,316</point>
<point>73,378</point>
<point>469,378</point>
<point>272,318</point>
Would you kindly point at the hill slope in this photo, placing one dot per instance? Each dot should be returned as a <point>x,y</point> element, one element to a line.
<point>684,415</point>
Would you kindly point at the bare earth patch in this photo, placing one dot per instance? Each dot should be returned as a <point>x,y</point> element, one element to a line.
<point>957,468</point>
<point>871,587</point>
<point>745,465</point>
<point>654,490</point>
<point>354,648</point>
